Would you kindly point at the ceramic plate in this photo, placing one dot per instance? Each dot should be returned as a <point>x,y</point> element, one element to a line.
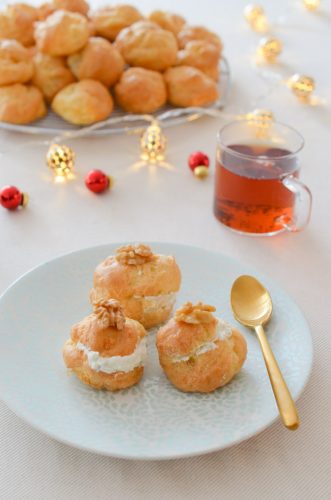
<point>152,420</point>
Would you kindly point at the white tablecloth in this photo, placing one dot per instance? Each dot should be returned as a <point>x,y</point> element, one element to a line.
<point>171,205</point>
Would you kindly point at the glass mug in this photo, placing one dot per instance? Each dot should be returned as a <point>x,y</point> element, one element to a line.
<point>257,189</point>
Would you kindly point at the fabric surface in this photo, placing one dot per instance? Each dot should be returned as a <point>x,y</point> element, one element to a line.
<point>171,205</point>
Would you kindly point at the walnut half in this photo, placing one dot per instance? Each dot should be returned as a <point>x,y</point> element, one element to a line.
<point>195,314</point>
<point>109,313</point>
<point>134,255</point>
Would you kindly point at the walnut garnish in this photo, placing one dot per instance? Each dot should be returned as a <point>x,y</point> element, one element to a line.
<point>109,313</point>
<point>134,255</point>
<point>195,314</point>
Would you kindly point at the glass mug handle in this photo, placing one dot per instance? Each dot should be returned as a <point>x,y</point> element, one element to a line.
<point>302,204</point>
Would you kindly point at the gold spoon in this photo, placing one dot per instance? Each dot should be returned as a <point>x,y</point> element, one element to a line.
<point>251,305</point>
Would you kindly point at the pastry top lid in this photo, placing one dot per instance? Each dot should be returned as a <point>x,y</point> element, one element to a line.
<point>195,314</point>
<point>134,255</point>
<point>109,313</point>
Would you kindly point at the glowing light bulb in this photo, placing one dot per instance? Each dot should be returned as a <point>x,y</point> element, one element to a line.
<point>61,160</point>
<point>153,144</point>
<point>270,48</point>
<point>256,18</point>
<point>301,85</point>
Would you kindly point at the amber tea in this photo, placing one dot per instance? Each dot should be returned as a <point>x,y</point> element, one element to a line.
<point>250,195</point>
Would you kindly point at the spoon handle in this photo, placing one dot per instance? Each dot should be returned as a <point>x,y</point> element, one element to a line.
<point>285,403</point>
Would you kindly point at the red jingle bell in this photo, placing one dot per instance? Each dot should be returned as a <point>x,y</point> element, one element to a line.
<point>198,159</point>
<point>97,181</point>
<point>12,198</point>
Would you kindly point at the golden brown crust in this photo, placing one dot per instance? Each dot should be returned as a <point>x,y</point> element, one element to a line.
<point>79,6</point>
<point>83,103</point>
<point>109,21</point>
<point>188,86</point>
<point>210,370</point>
<point>141,91</point>
<point>202,55</point>
<point>167,20</point>
<point>62,33</point>
<point>147,46</point>
<point>189,33</point>
<point>45,10</point>
<point>21,104</point>
<point>135,286</point>
<point>194,357</point>
<point>99,60</point>
<point>17,22</point>
<point>15,63</point>
<point>51,74</point>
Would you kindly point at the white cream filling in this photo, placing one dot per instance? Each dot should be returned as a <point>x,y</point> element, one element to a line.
<point>223,331</point>
<point>114,364</point>
<point>154,302</point>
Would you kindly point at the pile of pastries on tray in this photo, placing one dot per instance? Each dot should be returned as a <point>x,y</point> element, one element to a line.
<point>79,61</point>
<point>135,290</point>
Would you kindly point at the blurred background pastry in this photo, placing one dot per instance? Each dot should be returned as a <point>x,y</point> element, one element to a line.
<point>145,283</point>
<point>99,60</point>
<point>15,63</point>
<point>21,104</point>
<point>83,103</point>
<point>188,86</point>
<point>51,74</point>
<point>199,352</point>
<point>107,350</point>
<point>109,21</point>
<point>189,33</point>
<point>141,91</point>
<point>202,55</point>
<point>17,23</point>
<point>148,47</point>
<point>79,6</point>
<point>62,33</point>
<point>167,20</point>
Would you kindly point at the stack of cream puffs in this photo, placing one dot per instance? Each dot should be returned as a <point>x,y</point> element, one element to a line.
<point>136,289</point>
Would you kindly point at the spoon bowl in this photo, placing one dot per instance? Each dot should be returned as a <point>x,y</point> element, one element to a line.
<point>250,301</point>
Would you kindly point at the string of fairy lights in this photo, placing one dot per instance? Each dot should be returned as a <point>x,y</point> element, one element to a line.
<point>60,158</point>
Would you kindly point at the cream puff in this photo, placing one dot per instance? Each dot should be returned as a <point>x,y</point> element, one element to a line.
<point>83,103</point>
<point>188,86</point>
<point>106,350</point>
<point>145,283</point>
<point>189,33</point>
<point>62,33</point>
<point>21,104</point>
<point>109,21</point>
<point>17,22</point>
<point>15,63</point>
<point>197,351</point>
<point>99,60</point>
<point>202,55</point>
<point>167,20</point>
<point>51,74</point>
<point>147,45</point>
<point>141,91</point>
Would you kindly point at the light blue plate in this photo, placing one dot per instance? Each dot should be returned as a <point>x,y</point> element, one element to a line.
<point>152,420</point>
